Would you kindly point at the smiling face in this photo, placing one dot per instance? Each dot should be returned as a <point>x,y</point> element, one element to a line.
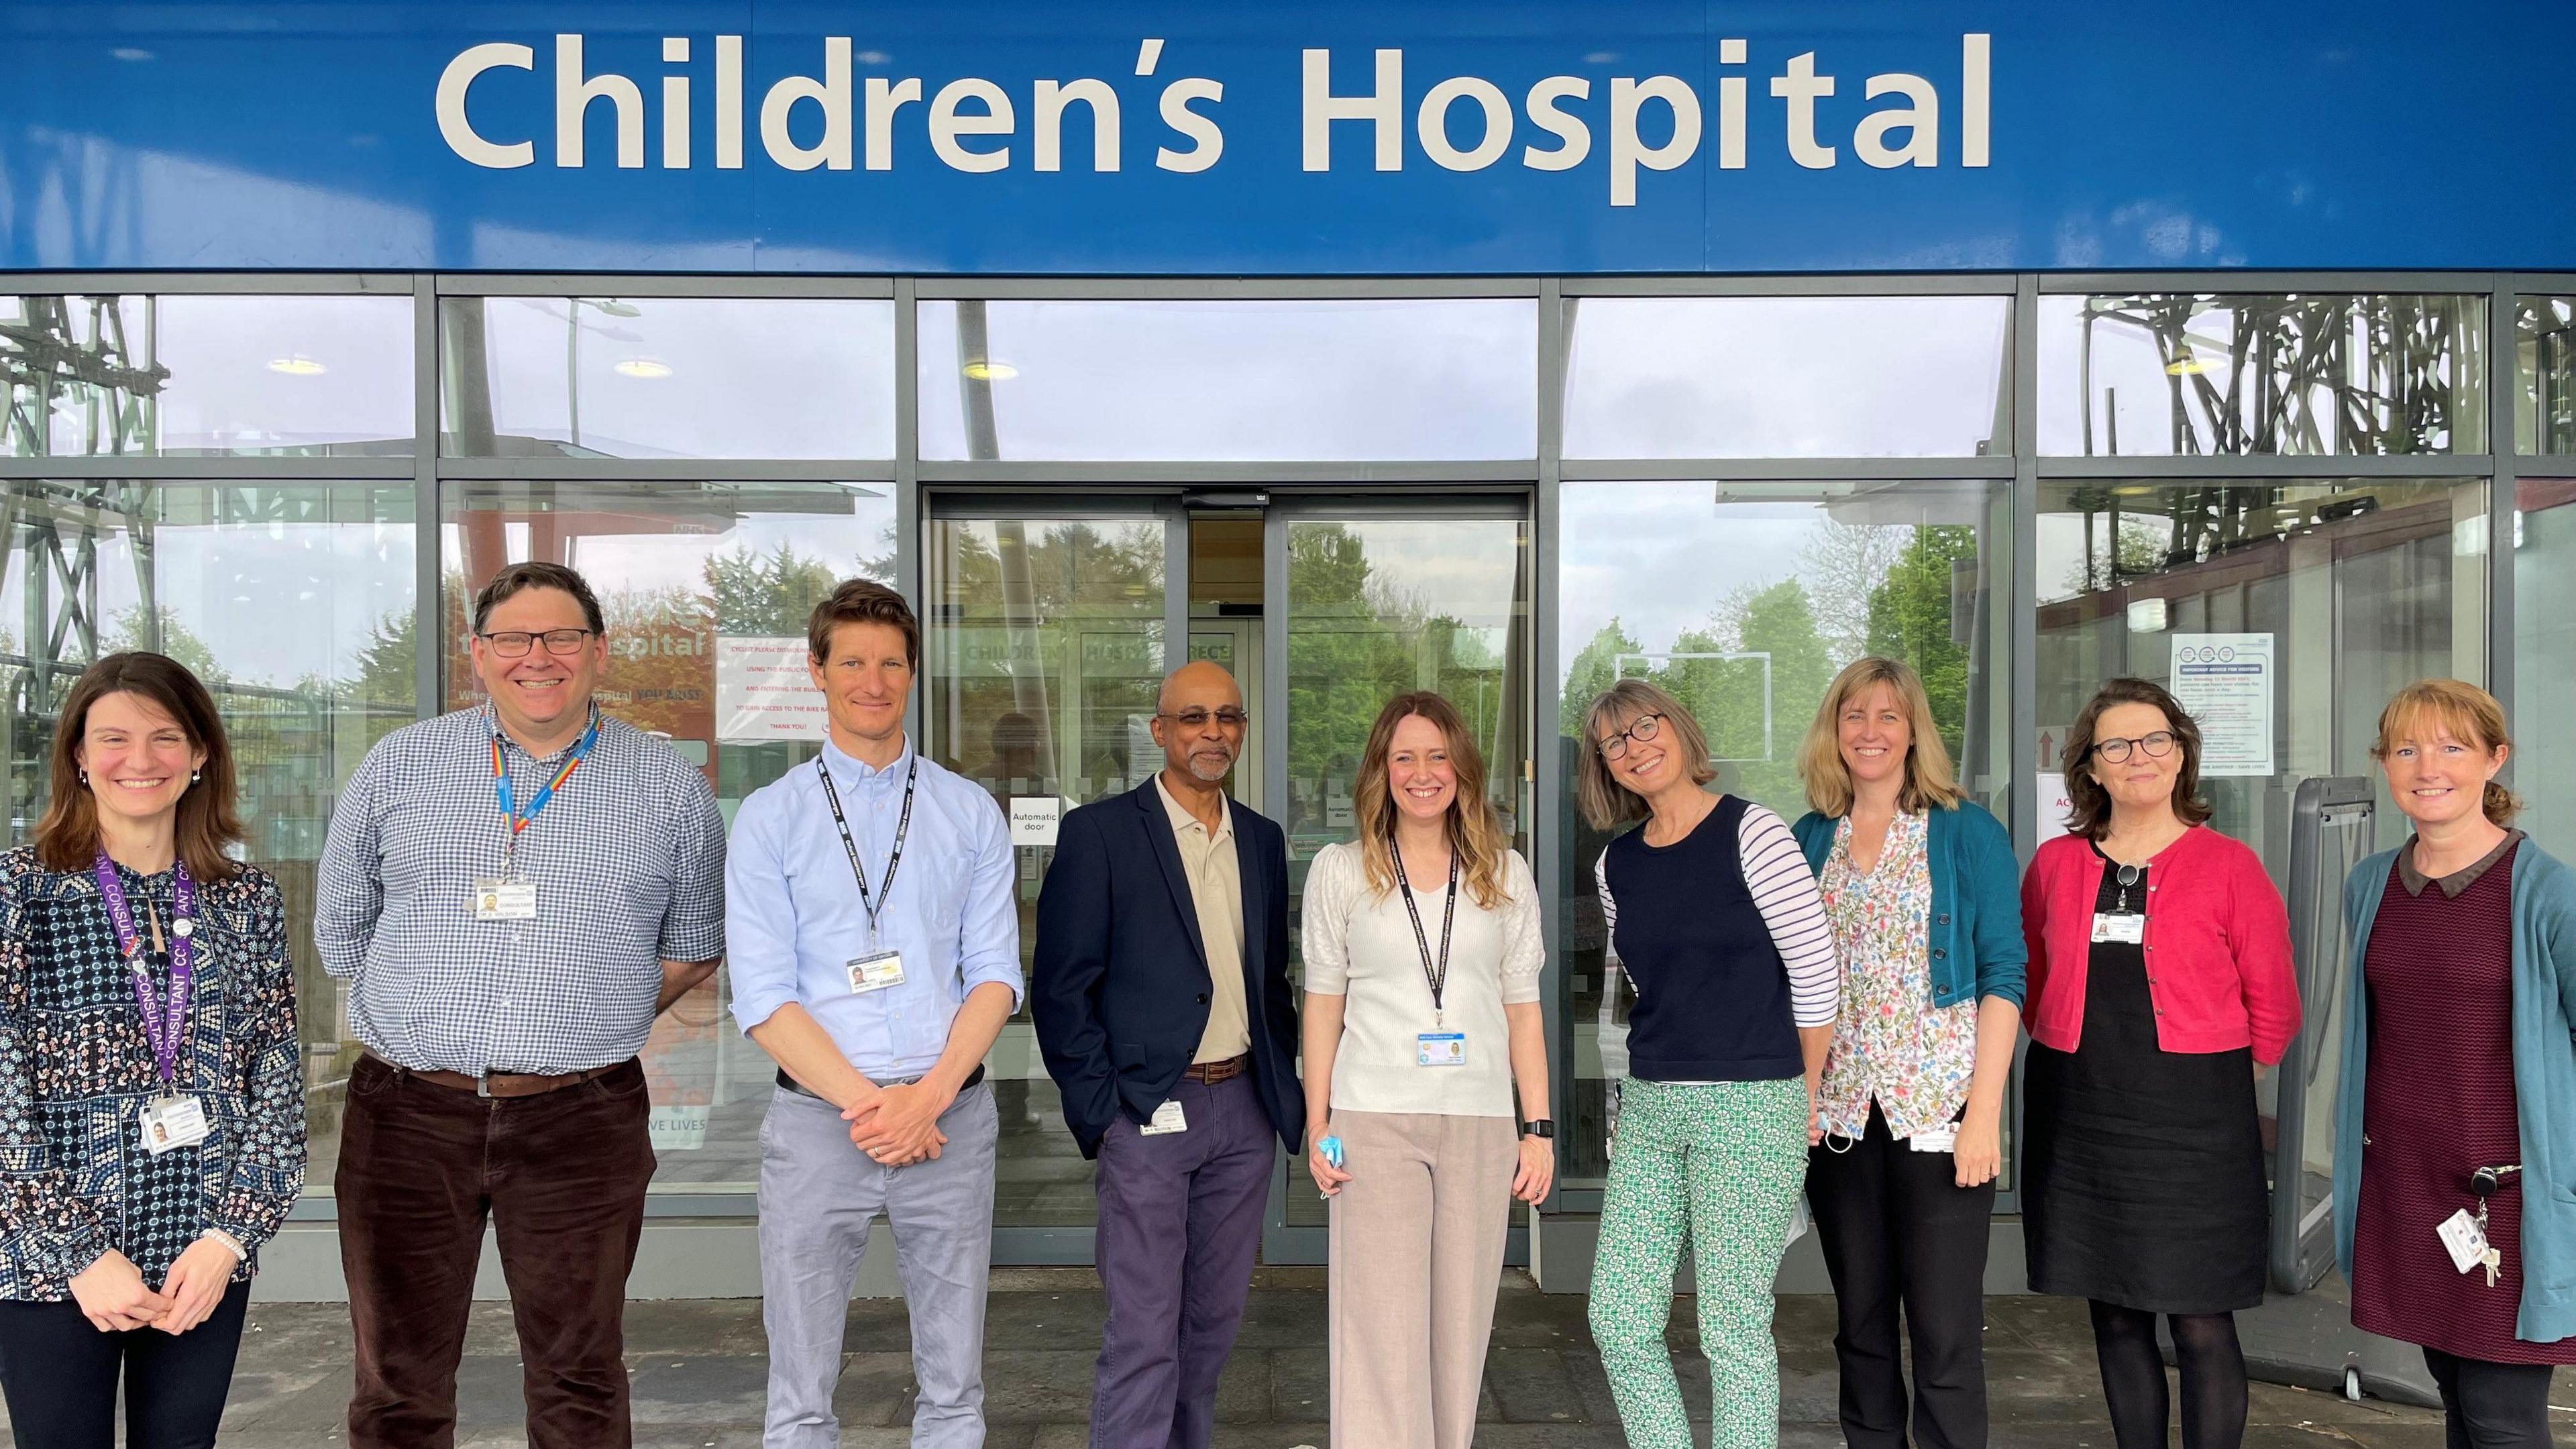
<point>866,677</point>
<point>1419,774</point>
<point>2438,770</point>
<point>1203,751</point>
<point>2143,780</point>
<point>1649,766</point>
<point>1875,735</point>
<point>138,757</point>
<point>540,693</point>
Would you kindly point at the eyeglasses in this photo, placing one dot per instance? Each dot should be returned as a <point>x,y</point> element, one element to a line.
<point>2157,746</point>
<point>1643,731</point>
<point>515,643</point>
<point>1197,719</point>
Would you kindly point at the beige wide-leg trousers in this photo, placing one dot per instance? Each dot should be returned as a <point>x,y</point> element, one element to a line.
<point>1417,1254</point>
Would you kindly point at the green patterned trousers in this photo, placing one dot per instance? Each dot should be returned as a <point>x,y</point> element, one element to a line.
<point>1718,1168</point>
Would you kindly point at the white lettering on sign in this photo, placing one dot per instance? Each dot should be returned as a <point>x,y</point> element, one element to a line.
<point>809,122</point>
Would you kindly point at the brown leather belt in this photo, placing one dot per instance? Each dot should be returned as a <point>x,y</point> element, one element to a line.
<point>501,1084</point>
<point>793,1085</point>
<point>1224,1071</point>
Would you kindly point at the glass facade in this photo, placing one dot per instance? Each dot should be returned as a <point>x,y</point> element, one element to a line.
<point>1514,498</point>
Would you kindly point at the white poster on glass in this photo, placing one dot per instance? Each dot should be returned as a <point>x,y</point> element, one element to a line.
<point>764,692</point>
<point>2224,681</point>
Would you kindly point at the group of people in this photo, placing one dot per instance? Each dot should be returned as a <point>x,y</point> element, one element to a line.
<point>1829,1007</point>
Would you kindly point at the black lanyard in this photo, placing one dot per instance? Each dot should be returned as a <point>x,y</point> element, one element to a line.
<point>1437,975</point>
<point>903,827</point>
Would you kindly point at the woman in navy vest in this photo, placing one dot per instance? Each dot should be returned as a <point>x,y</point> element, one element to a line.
<point>1714,919</point>
<point>1922,890</point>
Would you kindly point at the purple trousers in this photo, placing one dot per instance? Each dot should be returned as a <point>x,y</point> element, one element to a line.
<point>1180,1225</point>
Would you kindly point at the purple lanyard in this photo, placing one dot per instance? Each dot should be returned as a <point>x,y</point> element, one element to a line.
<point>163,1020</point>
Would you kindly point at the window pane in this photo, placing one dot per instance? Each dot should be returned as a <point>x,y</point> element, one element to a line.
<point>1040,668</point>
<point>2544,641</point>
<point>2356,587</point>
<point>667,377</point>
<point>1291,381</point>
<point>2165,373</point>
<point>2544,402</point>
<point>1788,377</point>
<point>202,573</point>
<point>1743,601</point>
<point>207,376</point>
<point>706,588</point>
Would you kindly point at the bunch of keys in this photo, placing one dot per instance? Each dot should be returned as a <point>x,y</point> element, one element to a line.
<point>2484,1182</point>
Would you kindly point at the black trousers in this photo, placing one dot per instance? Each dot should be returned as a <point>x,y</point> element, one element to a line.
<point>2491,1405</point>
<point>1899,1233</point>
<point>60,1376</point>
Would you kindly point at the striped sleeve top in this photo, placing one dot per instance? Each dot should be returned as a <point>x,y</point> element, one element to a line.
<point>1700,1013</point>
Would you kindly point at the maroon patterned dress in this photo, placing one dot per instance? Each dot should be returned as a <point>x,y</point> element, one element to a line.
<point>2438,1105</point>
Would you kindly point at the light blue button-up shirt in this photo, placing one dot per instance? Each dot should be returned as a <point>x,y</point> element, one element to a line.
<point>793,917</point>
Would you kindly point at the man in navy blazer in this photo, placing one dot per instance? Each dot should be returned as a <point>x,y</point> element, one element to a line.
<point>1165,1016</point>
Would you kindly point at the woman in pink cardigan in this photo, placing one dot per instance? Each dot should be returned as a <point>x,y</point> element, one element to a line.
<point>2159,976</point>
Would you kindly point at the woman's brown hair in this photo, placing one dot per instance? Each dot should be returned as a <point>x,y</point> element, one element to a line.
<point>1604,801</point>
<point>1474,834</point>
<point>209,822</point>
<point>1929,783</point>
<point>2468,712</point>
<point>2090,815</point>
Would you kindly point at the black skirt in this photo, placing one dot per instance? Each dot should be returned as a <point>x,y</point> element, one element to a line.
<point>2144,1168</point>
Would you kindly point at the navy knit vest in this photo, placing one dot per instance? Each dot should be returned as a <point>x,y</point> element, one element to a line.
<point>1712,992</point>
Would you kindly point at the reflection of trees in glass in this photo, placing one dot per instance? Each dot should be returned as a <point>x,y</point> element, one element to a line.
<point>1915,616</point>
<point>2305,374</point>
<point>766,594</point>
<point>134,627</point>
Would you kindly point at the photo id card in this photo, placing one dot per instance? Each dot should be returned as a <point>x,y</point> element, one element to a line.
<point>173,1122</point>
<point>2467,1241</point>
<point>875,971</point>
<point>1938,1139</point>
<point>1167,1120</point>
<point>1440,1049</point>
<point>2120,926</point>
<point>500,899</point>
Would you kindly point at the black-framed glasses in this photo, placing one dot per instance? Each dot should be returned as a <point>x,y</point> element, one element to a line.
<point>1647,726</point>
<point>2114,750</point>
<point>515,643</point>
<point>1197,719</point>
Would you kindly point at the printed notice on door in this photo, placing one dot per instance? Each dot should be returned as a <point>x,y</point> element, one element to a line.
<point>763,692</point>
<point>2225,682</point>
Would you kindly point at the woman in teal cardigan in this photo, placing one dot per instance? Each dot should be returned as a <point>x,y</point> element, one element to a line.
<point>1919,889</point>
<point>2458,1058</point>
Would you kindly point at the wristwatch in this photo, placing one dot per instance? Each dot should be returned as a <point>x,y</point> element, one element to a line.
<point>1539,1127</point>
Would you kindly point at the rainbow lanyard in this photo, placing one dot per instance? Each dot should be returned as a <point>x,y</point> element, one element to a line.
<point>501,788</point>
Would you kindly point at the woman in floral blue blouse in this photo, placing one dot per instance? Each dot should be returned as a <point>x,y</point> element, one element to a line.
<point>151,1102</point>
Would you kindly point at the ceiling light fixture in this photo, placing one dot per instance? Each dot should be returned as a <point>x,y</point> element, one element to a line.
<point>647,367</point>
<point>2186,363</point>
<point>296,365</point>
<point>989,370</point>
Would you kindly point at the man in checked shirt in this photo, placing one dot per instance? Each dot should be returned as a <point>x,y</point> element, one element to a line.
<point>514,892</point>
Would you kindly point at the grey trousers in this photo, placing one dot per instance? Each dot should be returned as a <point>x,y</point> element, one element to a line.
<point>817,1196</point>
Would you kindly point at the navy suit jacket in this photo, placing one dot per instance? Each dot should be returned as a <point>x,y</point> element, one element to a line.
<point>1120,986</point>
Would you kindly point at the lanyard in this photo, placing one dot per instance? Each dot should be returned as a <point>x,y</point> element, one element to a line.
<point>1437,975</point>
<point>903,826</point>
<point>545,792</point>
<point>163,1018</point>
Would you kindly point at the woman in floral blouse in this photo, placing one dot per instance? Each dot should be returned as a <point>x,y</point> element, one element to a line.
<point>151,1104</point>
<point>1920,886</point>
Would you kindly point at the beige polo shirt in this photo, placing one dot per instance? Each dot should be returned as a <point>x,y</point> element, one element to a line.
<point>1216,889</point>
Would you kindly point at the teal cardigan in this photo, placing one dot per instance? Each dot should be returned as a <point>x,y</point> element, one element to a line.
<point>2544,1080</point>
<point>1977,948</point>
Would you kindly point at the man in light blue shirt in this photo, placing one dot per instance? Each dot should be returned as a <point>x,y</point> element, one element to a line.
<point>878,956</point>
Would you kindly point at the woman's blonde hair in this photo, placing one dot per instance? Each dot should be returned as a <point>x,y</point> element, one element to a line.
<point>1929,783</point>
<point>2468,712</point>
<point>1475,835</point>
<point>1606,802</point>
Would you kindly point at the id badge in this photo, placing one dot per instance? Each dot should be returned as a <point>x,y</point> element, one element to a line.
<point>2467,1241</point>
<point>875,971</point>
<point>1440,1049</point>
<point>1167,1120</point>
<point>1939,1139</point>
<point>2121,926</point>
<point>170,1123</point>
<point>498,898</point>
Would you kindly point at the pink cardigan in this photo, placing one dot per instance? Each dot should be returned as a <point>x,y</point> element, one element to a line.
<point>2217,938</point>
